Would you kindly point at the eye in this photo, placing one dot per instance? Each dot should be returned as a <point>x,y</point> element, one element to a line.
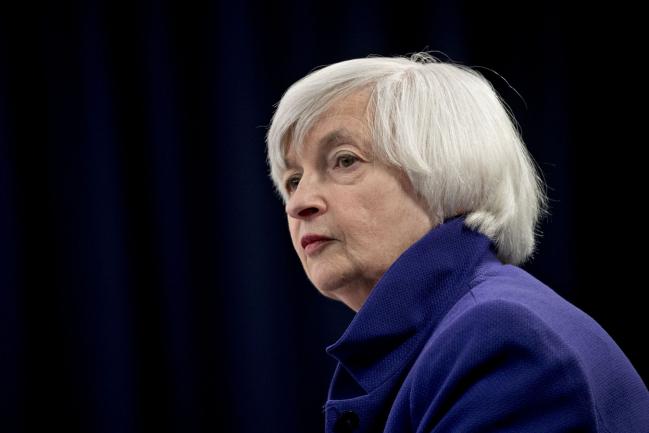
<point>347,160</point>
<point>291,183</point>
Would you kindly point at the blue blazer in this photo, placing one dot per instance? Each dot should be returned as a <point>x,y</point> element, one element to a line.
<point>451,340</point>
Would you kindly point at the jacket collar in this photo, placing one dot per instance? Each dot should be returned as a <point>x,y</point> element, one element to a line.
<point>409,301</point>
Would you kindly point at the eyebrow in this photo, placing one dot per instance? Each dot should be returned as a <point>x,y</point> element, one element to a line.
<point>329,140</point>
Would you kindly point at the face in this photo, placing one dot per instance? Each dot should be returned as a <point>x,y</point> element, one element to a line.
<point>337,189</point>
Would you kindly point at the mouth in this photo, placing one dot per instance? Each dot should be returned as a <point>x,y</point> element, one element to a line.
<point>314,247</point>
<point>311,241</point>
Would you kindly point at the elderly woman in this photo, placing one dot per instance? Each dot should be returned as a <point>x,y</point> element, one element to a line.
<point>411,198</point>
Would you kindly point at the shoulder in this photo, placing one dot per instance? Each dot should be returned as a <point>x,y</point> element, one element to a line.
<point>514,349</point>
<point>477,331</point>
<point>497,360</point>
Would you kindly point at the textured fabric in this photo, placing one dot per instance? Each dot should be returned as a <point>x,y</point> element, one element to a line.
<point>453,340</point>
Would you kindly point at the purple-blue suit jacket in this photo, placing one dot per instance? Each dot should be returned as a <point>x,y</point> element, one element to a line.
<point>452,340</point>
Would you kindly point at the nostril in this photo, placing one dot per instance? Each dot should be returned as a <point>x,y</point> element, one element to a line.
<point>308,211</point>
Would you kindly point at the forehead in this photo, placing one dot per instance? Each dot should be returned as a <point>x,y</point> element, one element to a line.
<point>346,120</point>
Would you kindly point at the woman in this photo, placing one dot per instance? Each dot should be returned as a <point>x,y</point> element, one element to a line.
<point>411,198</point>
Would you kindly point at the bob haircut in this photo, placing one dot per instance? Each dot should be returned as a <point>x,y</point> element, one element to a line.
<point>445,126</point>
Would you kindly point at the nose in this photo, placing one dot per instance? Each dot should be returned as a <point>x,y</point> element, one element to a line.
<point>306,200</point>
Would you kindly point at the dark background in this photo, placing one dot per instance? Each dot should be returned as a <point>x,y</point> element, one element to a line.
<point>147,278</point>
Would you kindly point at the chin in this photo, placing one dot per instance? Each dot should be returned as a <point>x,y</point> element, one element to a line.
<point>329,295</point>
<point>325,289</point>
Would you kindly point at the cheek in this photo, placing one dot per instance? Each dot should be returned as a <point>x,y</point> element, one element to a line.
<point>293,230</point>
<point>373,216</point>
<point>361,218</point>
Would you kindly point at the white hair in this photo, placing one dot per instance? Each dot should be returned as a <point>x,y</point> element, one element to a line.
<point>445,126</point>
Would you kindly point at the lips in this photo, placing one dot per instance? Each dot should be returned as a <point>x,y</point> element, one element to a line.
<point>311,237</point>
